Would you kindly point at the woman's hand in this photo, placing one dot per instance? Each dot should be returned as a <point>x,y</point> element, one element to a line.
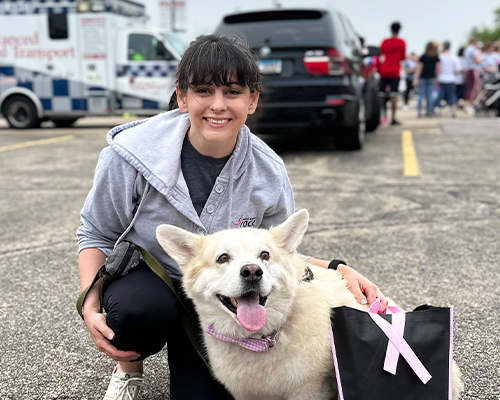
<point>101,334</point>
<point>364,291</point>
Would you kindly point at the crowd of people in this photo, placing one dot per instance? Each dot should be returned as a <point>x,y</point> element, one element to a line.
<point>438,75</point>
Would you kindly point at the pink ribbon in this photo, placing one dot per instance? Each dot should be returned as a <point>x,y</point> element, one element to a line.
<point>398,323</point>
<point>397,344</point>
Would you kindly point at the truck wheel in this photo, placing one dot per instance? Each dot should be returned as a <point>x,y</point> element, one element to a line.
<point>64,123</point>
<point>20,113</point>
<point>350,139</point>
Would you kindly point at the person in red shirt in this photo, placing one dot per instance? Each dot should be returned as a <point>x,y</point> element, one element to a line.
<point>392,53</point>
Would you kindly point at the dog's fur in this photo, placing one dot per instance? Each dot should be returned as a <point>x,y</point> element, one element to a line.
<point>300,366</point>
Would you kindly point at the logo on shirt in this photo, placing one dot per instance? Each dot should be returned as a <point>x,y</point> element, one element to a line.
<point>245,222</point>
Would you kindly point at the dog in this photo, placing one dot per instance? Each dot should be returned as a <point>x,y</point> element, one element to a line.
<point>250,284</point>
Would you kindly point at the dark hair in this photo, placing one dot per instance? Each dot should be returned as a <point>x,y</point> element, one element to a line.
<point>219,60</point>
<point>446,45</point>
<point>395,27</point>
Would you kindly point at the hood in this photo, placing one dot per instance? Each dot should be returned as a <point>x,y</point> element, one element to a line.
<point>153,147</point>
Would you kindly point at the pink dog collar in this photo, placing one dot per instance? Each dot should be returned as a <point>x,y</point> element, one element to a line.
<point>258,345</point>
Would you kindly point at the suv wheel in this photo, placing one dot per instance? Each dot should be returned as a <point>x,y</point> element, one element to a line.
<point>350,139</point>
<point>372,110</point>
<point>20,113</point>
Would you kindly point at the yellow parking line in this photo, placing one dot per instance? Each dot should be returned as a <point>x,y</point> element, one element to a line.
<point>36,143</point>
<point>410,161</point>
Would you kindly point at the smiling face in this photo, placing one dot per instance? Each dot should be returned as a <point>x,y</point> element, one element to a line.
<point>216,113</point>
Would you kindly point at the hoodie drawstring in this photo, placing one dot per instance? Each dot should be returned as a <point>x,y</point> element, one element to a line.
<point>124,234</point>
<point>231,182</point>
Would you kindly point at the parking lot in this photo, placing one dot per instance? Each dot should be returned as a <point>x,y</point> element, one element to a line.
<point>428,235</point>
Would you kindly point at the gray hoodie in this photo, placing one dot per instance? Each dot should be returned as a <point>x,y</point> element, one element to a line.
<point>138,177</point>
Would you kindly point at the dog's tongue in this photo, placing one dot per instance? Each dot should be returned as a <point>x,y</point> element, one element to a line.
<point>250,313</point>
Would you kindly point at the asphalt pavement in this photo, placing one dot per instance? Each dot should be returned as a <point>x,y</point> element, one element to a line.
<point>432,239</point>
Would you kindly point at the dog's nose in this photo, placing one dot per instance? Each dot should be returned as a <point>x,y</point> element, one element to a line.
<point>251,272</point>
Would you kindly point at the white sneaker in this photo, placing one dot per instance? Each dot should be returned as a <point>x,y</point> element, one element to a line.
<point>124,386</point>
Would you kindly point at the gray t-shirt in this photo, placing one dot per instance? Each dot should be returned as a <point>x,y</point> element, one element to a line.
<point>200,173</point>
<point>470,54</point>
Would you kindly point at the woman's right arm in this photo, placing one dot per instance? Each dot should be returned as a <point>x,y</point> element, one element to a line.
<point>106,213</point>
<point>438,69</point>
<point>89,262</point>
<point>418,72</point>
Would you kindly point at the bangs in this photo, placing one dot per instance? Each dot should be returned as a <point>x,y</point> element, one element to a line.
<point>221,61</point>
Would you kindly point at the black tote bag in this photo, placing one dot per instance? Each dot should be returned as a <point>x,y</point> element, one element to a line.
<point>360,349</point>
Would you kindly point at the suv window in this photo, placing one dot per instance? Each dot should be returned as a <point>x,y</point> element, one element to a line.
<point>272,16</point>
<point>353,36</point>
<point>307,28</point>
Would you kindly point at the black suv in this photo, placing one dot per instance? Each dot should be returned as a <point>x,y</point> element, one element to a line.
<point>312,64</point>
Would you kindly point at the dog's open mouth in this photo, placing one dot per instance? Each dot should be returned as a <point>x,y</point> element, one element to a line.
<point>232,302</point>
<point>249,309</point>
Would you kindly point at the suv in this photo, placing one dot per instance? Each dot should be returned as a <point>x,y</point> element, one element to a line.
<point>312,63</point>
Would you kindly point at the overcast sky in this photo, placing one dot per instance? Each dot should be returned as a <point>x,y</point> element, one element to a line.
<point>422,20</point>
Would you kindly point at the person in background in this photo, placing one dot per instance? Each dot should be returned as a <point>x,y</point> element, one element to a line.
<point>409,66</point>
<point>428,69</point>
<point>472,61</point>
<point>489,64</point>
<point>496,50</point>
<point>450,66</point>
<point>460,79</point>
<point>392,53</point>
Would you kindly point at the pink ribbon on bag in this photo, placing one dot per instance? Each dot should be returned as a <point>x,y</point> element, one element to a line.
<point>397,344</point>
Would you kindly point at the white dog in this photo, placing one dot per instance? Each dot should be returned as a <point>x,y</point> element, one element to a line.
<point>248,284</point>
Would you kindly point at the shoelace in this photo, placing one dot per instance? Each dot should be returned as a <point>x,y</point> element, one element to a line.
<point>137,382</point>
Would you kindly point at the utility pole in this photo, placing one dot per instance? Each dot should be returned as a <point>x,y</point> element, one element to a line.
<point>172,14</point>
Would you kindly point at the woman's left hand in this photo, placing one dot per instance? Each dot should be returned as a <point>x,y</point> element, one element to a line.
<point>364,291</point>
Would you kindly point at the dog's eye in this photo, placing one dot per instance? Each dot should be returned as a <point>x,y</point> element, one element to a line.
<point>264,256</point>
<point>223,258</point>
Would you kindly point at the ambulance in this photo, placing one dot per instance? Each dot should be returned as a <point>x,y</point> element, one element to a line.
<point>65,59</point>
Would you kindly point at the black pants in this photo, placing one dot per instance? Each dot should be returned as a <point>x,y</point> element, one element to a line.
<point>142,312</point>
<point>409,87</point>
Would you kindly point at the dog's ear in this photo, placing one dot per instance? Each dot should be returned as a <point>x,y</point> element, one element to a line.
<point>292,230</point>
<point>178,243</point>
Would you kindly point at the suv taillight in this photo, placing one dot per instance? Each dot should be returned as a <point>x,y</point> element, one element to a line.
<point>333,63</point>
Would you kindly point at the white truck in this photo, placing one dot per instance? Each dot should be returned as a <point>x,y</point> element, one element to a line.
<point>64,59</point>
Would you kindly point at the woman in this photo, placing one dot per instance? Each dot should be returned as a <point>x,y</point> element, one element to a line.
<point>201,169</point>
<point>428,68</point>
<point>409,66</point>
<point>450,67</point>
